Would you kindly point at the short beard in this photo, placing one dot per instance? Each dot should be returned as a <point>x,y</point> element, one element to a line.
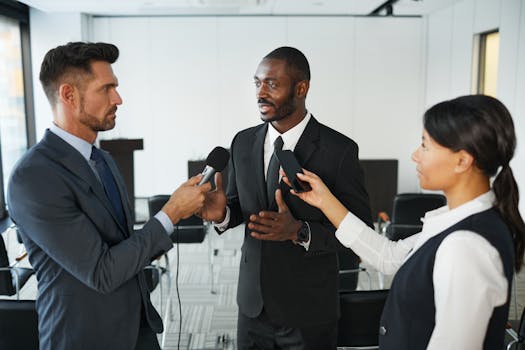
<point>284,110</point>
<point>92,122</point>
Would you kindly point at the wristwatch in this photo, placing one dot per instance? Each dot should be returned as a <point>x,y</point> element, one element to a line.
<point>303,235</point>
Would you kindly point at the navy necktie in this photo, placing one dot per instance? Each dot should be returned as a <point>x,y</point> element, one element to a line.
<point>110,186</point>
<point>272,175</point>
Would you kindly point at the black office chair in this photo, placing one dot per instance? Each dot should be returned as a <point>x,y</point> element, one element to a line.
<point>349,269</point>
<point>18,325</point>
<point>12,277</point>
<point>516,330</point>
<point>407,212</point>
<point>358,326</point>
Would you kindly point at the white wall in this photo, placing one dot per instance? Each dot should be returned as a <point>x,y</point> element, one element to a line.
<point>187,84</point>
<point>450,54</point>
<point>48,31</point>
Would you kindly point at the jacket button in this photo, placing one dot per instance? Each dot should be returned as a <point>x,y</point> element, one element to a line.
<point>382,330</point>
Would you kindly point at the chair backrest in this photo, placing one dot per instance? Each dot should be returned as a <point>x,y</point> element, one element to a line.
<point>407,212</point>
<point>190,230</point>
<point>18,325</point>
<point>348,260</point>
<point>409,208</point>
<point>360,317</point>
<point>6,278</point>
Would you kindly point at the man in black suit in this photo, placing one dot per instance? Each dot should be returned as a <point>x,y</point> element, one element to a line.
<point>288,278</point>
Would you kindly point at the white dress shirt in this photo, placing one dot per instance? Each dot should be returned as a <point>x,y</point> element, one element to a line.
<point>469,281</point>
<point>290,139</point>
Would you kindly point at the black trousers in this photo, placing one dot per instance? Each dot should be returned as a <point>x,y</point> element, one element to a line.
<point>261,333</point>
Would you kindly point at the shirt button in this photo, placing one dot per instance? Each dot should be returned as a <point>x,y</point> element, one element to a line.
<point>382,330</point>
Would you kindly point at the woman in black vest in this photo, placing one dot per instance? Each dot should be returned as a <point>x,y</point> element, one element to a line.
<point>453,279</point>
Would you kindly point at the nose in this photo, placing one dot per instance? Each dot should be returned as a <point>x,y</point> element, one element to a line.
<point>116,99</point>
<point>261,91</point>
<point>415,157</point>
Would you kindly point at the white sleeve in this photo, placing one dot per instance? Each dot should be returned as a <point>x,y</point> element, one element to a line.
<point>377,250</point>
<point>469,283</point>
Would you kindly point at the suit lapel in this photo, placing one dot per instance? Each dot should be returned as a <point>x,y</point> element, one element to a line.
<point>308,142</point>
<point>258,165</point>
<point>74,162</point>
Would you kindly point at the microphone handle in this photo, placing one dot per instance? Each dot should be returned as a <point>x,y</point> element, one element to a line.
<point>208,173</point>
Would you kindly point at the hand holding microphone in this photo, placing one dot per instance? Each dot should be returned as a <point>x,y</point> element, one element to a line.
<point>214,207</point>
<point>215,162</point>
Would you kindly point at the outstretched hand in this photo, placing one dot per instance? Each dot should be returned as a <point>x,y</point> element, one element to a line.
<point>186,200</point>
<point>275,226</point>
<point>214,208</point>
<point>319,197</point>
<point>319,194</point>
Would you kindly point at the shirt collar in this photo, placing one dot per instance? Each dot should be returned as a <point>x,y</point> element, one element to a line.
<point>77,143</point>
<point>290,137</point>
<point>438,220</point>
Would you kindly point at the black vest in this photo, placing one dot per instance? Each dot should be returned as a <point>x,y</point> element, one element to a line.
<point>409,315</point>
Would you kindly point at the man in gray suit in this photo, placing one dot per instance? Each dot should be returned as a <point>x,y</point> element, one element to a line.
<point>70,204</point>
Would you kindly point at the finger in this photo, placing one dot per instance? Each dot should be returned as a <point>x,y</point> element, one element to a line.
<point>259,228</point>
<point>285,178</point>
<point>206,187</point>
<point>218,181</point>
<point>269,215</point>
<point>193,180</point>
<point>261,220</point>
<point>262,237</point>
<point>280,201</point>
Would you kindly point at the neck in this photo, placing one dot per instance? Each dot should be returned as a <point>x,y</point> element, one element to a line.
<point>290,121</point>
<point>77,129</point>
<point>466,191</point>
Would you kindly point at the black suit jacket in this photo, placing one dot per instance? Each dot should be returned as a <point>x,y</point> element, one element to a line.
<point>89,267</point>
<point>297,288</point>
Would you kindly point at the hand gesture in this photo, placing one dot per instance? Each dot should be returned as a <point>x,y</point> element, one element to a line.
<point>275,226</point>
<point>214,208</point>
<point>319,196</point>
<point>186,200</point>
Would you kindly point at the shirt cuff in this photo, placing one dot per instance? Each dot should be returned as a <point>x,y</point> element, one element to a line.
<point>165,221</point>
<point>349,229</point>
<point>222,226</point>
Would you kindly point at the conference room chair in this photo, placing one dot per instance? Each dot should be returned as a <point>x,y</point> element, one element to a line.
<point>12,276</point>
<point>358,326</point>
<point>407,211</point>
<point>516,331</point>
<point>349,270</point>
<point>18,325</point>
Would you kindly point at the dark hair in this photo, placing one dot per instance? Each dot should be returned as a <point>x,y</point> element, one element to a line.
<point>296,61</point>
<point>72,59</point>
<point>482,126</point>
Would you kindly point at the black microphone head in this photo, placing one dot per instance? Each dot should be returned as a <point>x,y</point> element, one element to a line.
<point>218,158</point>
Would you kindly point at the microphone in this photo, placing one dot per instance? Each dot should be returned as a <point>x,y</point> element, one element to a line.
<point>216,162</point>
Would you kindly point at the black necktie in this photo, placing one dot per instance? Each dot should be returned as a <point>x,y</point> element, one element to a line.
<point>108,181</point>
<point>272,176</point>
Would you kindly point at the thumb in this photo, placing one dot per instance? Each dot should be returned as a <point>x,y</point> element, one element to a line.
<point>218,181</point>
<point>280,201</point>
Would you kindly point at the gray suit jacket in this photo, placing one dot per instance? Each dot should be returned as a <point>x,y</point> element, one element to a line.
<point>89,268</point>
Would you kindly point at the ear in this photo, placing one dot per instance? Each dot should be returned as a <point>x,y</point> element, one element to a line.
<point>68,95</point>
<point>465,161</point>
<point>301,88</point>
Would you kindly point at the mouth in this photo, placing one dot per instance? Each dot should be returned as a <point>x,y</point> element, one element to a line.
<point>264,106</point>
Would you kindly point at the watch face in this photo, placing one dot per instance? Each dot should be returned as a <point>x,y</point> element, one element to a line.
<point>302,235</point>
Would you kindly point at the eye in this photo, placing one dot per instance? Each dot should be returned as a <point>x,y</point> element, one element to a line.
<point>257,83</point>
<point>272,85</point>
